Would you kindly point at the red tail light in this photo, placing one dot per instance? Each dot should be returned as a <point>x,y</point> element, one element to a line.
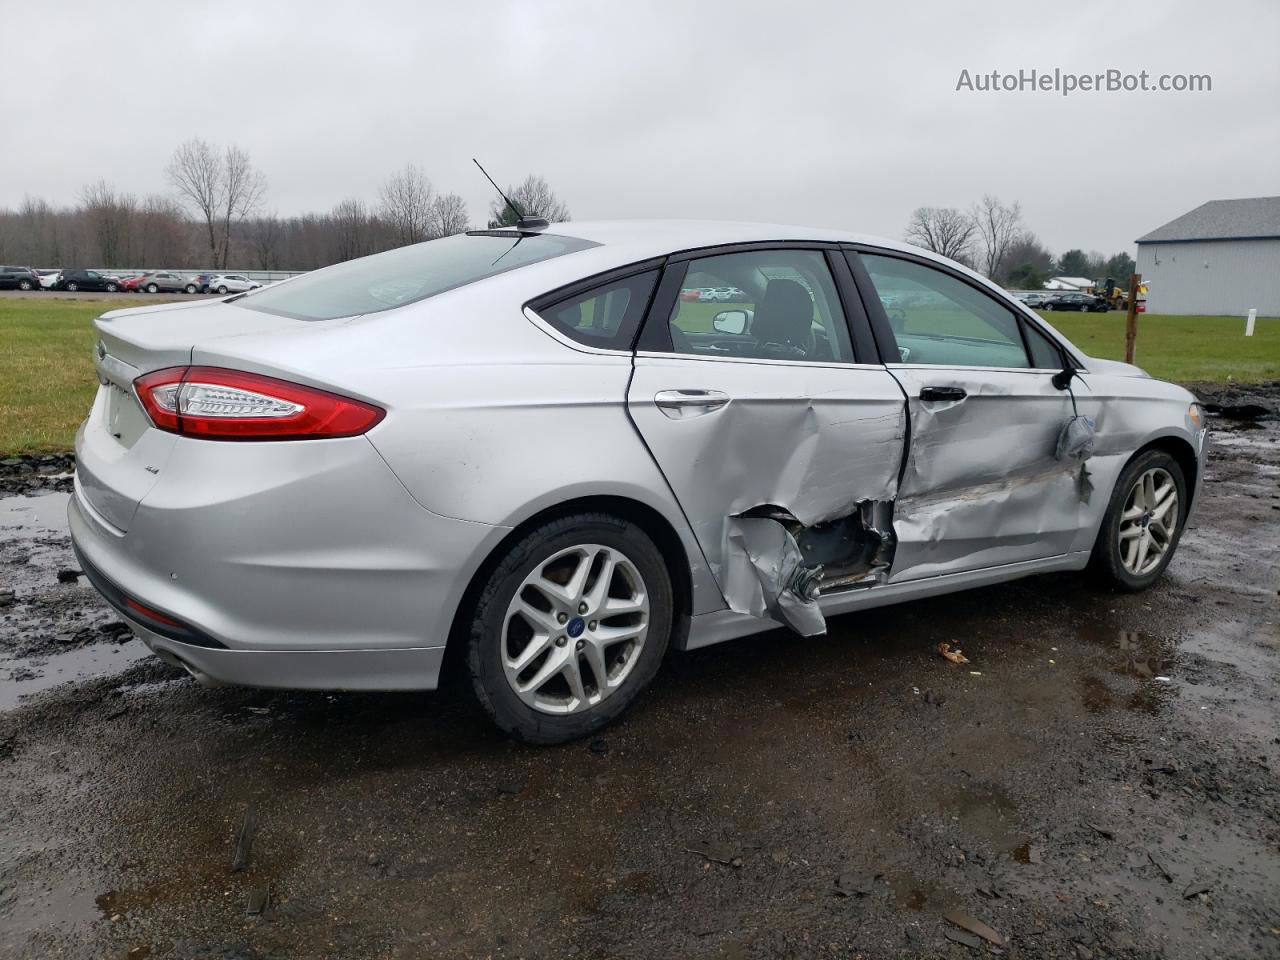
<point>219,404</point>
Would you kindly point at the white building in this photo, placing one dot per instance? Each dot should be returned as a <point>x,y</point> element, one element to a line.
<point>1221,259</point>
<point>1067,283</point>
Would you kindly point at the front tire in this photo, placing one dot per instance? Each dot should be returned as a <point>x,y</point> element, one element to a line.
<point>569,627</point>
<point>24,284</point>
<point>112,288</point>
<point>152,288</point>
<point>221,291</point>
<point>1143,523</point>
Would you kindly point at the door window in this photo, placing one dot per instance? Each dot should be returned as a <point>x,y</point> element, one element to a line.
<point>938,319</point>
<point>1045,354</point>
<point>768,305</point>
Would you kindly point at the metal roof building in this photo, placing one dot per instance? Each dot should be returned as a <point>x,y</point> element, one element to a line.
<point>1220,259</point>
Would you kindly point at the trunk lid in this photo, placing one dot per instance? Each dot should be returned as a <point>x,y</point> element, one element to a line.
<point>119,455</point>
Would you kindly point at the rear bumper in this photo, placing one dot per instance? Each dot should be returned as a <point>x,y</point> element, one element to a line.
<point>410,668</point>
<point>284,565</point>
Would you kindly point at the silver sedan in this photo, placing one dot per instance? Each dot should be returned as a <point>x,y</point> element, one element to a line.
<point>524,444</point>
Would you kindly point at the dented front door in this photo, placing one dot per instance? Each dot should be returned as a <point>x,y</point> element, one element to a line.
<point>983,484</point>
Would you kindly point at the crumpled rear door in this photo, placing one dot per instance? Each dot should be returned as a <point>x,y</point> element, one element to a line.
<point>734,437</point>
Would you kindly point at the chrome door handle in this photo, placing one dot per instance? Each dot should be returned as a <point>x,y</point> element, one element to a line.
<point>689,403</point>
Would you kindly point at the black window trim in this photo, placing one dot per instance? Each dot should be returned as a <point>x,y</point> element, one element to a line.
<point>883,332</point>
<point>655,330</point>
<point>577,288</point>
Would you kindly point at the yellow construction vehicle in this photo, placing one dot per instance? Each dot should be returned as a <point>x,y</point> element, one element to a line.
<point>1117,296</point>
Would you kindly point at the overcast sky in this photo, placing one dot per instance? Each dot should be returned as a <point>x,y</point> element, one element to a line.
<point>834,114</point>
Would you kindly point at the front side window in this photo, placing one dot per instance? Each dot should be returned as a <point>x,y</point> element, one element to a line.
<point>1045,354</point>
<point>607,316</point>
<point>768,305</point>
<point>407,274</point>
<point>938,319</point>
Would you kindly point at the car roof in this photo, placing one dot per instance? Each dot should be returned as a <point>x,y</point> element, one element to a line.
<point>620,243</point>
<point>641,239</point>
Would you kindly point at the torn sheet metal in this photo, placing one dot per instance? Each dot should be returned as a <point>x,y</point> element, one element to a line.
<point>776,567</point>
<point>766,575</point>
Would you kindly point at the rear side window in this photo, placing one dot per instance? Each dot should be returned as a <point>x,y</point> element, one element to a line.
<point>607,316</point>
<point>407,274</point>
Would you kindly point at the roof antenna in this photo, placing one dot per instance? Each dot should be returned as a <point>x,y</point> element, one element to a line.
<point>522,222</point>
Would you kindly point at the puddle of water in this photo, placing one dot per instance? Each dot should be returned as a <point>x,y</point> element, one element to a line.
<point>42,513</point>
<point>20,679</point>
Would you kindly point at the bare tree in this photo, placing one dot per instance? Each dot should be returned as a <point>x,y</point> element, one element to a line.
<point>219,187</point>
<point>196,174</point>
<point>450,215</point>
<point>998,227</point>
<point>944,230</point>
<point>408,201</point>
<point>162,235</point>
<point>242,190</point>
<point>534,197</point>
<point>351,229</point>
<point>111,218</point>
<point>266,233</point>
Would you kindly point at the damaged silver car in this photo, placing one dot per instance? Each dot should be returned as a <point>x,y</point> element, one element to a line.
<point>525,446</point>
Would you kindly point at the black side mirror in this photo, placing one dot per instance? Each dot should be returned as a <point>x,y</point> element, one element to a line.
<point>1062,379</point>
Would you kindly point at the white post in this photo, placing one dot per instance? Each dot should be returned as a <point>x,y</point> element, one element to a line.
<point>1248,324</point>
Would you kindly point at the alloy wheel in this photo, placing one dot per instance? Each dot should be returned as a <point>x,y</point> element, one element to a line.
<point>575,628</point>
<point>1148,521</point>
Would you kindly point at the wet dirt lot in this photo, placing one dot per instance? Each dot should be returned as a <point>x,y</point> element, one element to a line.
<point>1101,781</point>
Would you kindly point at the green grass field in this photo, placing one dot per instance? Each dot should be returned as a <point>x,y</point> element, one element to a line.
<point>47,381</point>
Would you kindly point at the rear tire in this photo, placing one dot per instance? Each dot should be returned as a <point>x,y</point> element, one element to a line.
<point>73,287</point>
<point>1136,543</point>
<point>24,284</point>
<point>549,663</point>
<point>190,288</point>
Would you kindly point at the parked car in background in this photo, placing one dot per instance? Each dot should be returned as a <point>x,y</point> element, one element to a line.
<point>130,283</point>
<point>1083,302</point>
<point>74,280</point>
<point>162,282</point>
<point>199,283</point>
<point>232,283</point>
<point>380,514</point>
<point>49,278</point>
<point>1036,301</point>
<point>19,278</point>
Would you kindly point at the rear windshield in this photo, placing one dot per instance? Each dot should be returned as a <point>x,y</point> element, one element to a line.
<point>407,274</point>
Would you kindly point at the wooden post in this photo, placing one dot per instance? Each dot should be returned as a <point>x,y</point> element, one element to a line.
<point>1131,320</point>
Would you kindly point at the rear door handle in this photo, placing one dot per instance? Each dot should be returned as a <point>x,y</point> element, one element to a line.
<point>679,404</point>
<point>942,394</point>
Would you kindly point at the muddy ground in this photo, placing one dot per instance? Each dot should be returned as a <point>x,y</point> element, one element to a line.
<point>1101,781</point>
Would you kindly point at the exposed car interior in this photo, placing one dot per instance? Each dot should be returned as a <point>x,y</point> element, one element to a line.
<point>790,310</point>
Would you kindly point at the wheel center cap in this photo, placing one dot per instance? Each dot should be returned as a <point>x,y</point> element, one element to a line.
<point>575,627</point>
<point>1146,520</point>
